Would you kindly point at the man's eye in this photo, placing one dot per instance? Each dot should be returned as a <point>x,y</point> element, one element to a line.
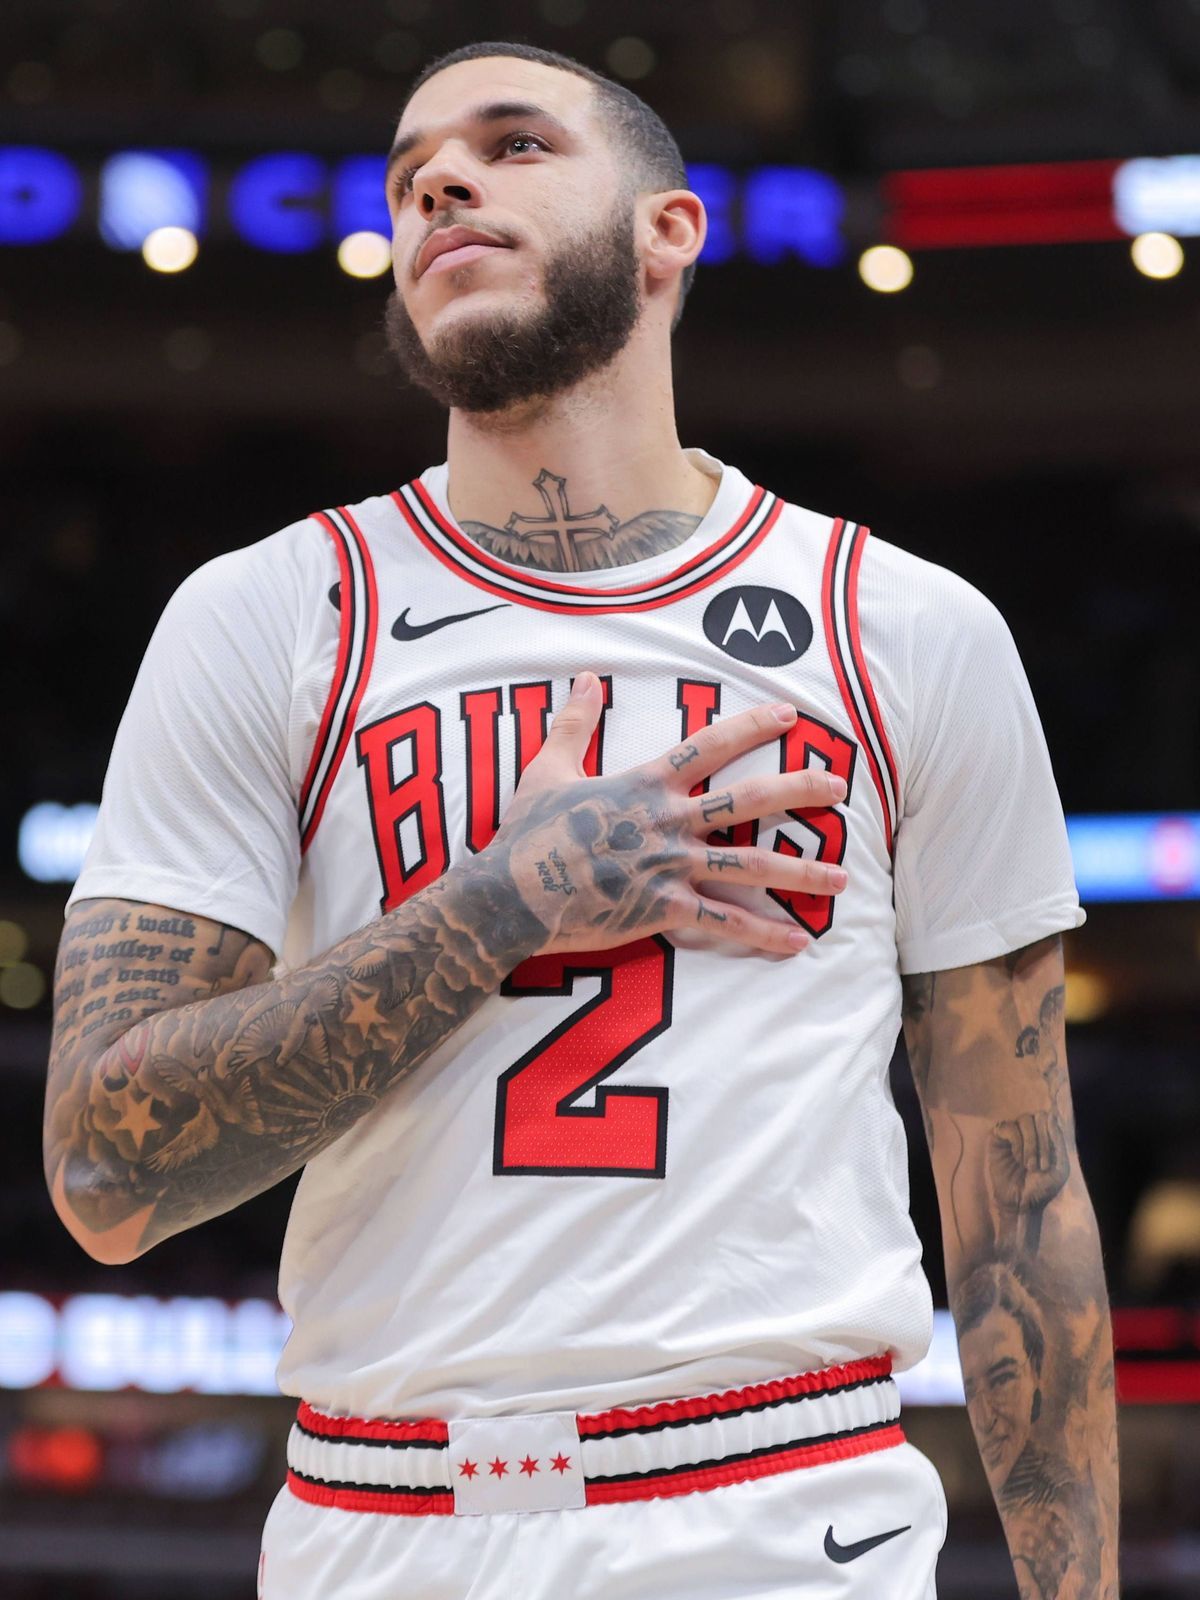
<point>523,138</point>
<point>402,179</point>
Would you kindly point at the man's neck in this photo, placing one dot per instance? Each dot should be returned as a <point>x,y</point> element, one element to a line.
<point>589,480</point>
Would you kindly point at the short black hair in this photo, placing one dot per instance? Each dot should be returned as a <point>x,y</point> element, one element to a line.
<point>634,126</point>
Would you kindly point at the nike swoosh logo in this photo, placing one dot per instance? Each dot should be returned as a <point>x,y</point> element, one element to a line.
<point>402,628</point>
<point>851,1552</point>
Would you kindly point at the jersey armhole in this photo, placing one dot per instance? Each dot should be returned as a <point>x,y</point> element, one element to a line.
<point>839,604</point>
<point>358,610</point>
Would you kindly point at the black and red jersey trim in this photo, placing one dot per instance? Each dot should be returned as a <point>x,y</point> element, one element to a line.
<point>767,1462</point>
<point>358,624</point>
<point>407,1500</point>
<point>471,561</point>
<point>353,1497</point>
<point>768,1459</point>
<point>736,1404</point>
<point>371,1430</point>
<point>839,604</point>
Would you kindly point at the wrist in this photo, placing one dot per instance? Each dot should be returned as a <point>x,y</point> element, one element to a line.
<point>485,903</point>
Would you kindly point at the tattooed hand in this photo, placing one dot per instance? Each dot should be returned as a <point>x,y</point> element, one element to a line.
<point>601,861</point>
<point>1027,1161</point>
<point>183,1085</point>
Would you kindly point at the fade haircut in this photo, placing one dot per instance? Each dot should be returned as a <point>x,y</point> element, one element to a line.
<point>635,129</point>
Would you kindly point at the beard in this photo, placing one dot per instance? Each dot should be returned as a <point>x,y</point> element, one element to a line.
<point>487,364</point>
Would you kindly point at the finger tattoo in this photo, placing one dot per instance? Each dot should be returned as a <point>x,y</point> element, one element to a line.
<point>718,859</point>
<point>716,805</point>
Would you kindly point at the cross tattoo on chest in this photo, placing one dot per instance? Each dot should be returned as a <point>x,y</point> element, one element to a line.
<point>563,530</point>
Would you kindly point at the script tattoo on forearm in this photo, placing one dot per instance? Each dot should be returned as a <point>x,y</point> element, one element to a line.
<point>560,539</point>
<point>183,1081</point>
<point>987,1048</point>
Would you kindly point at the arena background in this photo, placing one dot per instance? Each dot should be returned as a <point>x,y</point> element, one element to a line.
<point>1026,411</point>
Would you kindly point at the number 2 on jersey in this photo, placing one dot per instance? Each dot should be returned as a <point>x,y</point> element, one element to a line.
<point>540,1125</point>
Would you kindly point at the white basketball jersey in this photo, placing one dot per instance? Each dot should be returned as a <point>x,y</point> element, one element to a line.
<point>665,1169</point>
<point>655,1170</point>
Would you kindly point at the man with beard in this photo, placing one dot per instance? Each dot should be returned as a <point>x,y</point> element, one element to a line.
<point>600,1264</point>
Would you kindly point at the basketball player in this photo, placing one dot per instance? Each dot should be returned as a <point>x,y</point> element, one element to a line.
<point>542,855</point>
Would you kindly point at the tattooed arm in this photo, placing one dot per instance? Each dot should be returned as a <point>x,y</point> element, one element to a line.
<point>987,1049</point>
<point>183,1079</point>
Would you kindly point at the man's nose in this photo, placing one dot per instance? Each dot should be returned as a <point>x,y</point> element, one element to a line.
<point>445,183</point>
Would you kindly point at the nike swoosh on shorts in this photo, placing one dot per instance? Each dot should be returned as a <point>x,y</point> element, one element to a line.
<point>851,1552</point>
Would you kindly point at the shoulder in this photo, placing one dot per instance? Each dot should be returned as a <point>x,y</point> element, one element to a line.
<point>910,593</point>
<point>271,571</point>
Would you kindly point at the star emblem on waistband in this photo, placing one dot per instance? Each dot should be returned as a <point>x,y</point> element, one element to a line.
<point>468,1469</point>
<point>498,1468</point>
<point>530,1465</point>
<point>561,1462</point>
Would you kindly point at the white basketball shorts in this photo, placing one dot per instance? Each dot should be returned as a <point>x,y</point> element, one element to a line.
<point>799,1489</point>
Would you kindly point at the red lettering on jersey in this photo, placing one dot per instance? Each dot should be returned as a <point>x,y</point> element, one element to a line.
<point>811,743</point>
<point>540,1127</point>
<point>593,756</point>
<point>480,710</point>
<point>529,703</point>
<point>808,743</point>
<point>700,702</point>
<point>393,801</point>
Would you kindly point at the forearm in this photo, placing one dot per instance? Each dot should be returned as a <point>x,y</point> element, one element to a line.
<point>988,1053</point>
<point>1047,1436</point>
<point>198,1107</point>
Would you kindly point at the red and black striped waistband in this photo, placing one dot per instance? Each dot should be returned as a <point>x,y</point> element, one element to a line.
<point>555,1460</point>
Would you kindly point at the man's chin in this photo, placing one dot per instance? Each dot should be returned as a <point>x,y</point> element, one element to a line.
<point>474,301</point>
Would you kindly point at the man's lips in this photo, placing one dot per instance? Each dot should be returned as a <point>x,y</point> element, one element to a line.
<point>454,247</point>
<point>449,259</point>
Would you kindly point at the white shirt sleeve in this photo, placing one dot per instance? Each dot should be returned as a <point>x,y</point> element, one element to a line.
<point>199,804</point>
<point>982,863</point>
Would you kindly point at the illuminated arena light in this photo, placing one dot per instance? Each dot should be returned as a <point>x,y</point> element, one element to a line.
<point>170,249</point>
<point>364,254</point>
<point>22,985</point>
<point>1050,202</point>
<point>1087,997</point>
<point>295,201</point>
<point>1146,856</point>
<point>1127,856</point>
<point>143,190</point>
<point>41,194</point>
<point>1157,255</point>
<point>112,1341</point>
<point>52,840</point>
<point>885,268</point>
<point>1158,196</point>
<point>207,1346</point>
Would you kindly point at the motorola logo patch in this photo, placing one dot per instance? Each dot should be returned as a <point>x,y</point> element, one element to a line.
<point>764,627</point>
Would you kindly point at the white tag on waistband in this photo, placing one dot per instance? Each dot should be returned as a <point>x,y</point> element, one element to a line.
<point>516,1463</point>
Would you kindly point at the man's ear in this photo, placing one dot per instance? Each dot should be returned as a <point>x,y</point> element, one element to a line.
<point>677,224</point>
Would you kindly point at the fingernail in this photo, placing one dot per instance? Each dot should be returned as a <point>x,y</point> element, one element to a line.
<point>784,713</point>
<point>837,787</point>
<point>798,940</point>
<point>581,685</point>
<point>837,878</point>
